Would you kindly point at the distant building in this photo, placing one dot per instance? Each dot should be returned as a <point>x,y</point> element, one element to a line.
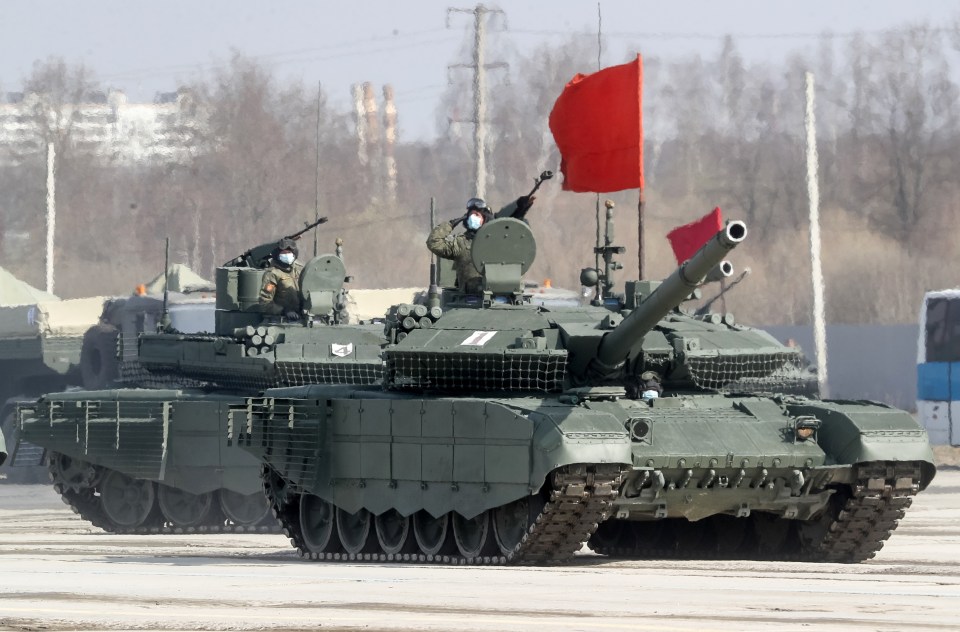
<point>108,126</point>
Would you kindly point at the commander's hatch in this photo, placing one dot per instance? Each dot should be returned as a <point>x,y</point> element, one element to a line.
<point>503,250</point>
<point>321,285</point>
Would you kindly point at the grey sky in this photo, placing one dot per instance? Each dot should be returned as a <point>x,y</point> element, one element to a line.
<point>144,48</point>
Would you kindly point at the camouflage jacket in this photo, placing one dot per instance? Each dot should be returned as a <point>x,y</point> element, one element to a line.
<point>458,250</point>
<point>280,291</point>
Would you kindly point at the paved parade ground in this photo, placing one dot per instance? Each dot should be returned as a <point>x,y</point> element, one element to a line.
<point>58,573</point>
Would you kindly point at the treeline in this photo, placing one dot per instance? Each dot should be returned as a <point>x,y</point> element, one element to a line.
<point>718,132</point>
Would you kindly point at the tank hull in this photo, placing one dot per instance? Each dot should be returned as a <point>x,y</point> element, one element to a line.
<point>702,465</point>
<point>147,461</point>
<point>731,479</point>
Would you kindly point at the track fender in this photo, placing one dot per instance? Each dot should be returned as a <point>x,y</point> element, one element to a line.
<point>570,435</point>
<point>166,436</point>
<point>859,431</point>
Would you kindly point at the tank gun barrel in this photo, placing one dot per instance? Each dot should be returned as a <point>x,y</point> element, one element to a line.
<point>719,272</point>
<point>619,344</point>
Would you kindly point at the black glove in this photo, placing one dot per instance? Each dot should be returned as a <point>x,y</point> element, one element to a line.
<point>454,222</point>
<point>523,205</point>
<point>292,316</point>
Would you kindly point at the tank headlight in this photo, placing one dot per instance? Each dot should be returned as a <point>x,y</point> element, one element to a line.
<point>640,429</point>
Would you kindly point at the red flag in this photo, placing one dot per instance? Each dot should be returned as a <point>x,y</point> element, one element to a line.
<point>687,239</point>
<point>597,123</point>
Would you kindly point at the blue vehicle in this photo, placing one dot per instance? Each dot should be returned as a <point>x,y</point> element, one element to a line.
<point>938,367</point>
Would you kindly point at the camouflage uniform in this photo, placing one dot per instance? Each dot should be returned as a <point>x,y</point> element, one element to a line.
<point>458,250</point>
<point>280,292</point>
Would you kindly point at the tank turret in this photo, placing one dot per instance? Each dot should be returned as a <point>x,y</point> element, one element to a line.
<point>497,340</point>
<point>250,349</point>
<point>624,341</point>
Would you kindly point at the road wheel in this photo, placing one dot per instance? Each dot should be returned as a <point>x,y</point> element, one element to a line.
<point>354,531</point>
<point>434,535</point>
<point>183,509</point>
<point>98,357</point>
<point>125,501</point>
<point>318,525</point>
<point>474,536</point>
<point>244,509</point>
<point>394,533</point>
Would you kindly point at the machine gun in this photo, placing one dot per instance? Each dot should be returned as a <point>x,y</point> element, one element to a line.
<point>514,210</point>
<point>258,256</point>
<point>705,308</point>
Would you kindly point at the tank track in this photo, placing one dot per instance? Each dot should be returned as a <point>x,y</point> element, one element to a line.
<point>854,527</point>
<point>869,516</point>
<point>580,498</point>
<point>86,503</point>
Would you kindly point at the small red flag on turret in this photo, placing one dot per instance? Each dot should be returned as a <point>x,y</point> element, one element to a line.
<point>597,123</point>
<point>686,240</point>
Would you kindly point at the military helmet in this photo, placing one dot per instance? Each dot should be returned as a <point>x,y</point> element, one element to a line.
<point>476,203</point>
<point>288,244</point>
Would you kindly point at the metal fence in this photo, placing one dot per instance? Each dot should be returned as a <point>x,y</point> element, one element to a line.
<point>877,362</point>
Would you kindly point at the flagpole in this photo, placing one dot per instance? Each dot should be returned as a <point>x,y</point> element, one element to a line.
<point>642,202</point>
<point>596,253</point>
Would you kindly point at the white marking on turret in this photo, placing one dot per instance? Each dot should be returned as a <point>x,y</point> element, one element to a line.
<point>341,350</point>
<point>479,338</point>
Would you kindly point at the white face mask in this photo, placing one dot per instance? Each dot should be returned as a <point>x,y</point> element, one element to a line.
<point>474,221</point>
<point>286,258</point>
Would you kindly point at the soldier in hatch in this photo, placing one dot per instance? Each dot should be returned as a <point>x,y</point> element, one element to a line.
<point>280,291</point>
<point>457,248</point>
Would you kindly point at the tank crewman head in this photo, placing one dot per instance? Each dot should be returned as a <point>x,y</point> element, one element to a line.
<point>286,253</point>
<point>478,214</point>
<point>650,387</point>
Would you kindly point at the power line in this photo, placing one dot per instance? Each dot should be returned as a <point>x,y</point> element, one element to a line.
<point>280,58</point>
<point>720,36</point>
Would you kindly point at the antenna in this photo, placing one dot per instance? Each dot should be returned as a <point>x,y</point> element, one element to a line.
<point>316,202</point>
<point>434,291</point>
<point>164,323</point>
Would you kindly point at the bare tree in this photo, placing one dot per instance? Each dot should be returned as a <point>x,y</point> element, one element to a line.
<point>909,121</point>
<point>54,95</point>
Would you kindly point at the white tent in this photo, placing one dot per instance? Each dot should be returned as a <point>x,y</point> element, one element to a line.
<point>13,291</point>
<point>182,279</point>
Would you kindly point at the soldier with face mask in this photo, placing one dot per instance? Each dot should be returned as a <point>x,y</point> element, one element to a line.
<point>280,291</point>
<point>457,248</point>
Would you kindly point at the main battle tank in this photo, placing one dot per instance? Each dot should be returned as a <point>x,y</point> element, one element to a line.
<point>506,432</point>
<point>151,457</point>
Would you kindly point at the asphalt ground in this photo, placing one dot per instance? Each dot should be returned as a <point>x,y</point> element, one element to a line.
<point>59,573</point>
